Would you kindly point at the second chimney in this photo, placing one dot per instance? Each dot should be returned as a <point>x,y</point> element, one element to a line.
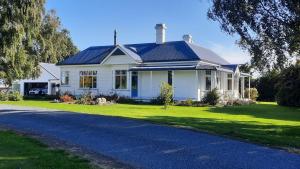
<point>160,33</point>
<point>188,38</point>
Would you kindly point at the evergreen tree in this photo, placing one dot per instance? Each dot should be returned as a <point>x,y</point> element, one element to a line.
<point>20,23</point>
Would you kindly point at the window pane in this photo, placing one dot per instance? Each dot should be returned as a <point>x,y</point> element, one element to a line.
<point>207,83</point>
<point>118,82</point>
<point>88,81</point>
<point>229,75</point>
<point>94,82</point>
<point>229,84</point>
<point>124,82</point>
<point>124,72</point>
<point>81,83</point>
<point>117,72</point>
<point>66,80</point>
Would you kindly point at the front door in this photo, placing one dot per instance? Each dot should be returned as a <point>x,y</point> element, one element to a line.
<point>134,84</point>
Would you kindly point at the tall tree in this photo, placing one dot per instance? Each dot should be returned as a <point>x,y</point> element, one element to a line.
<point>20,22</point>
<point>55,42</point>
<point>268,29</point>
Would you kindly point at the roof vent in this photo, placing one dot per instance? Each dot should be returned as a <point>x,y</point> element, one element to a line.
<point>160,33</point>
<point>188,38</point>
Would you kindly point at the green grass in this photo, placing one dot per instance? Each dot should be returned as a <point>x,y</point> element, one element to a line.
<point>18,152</point>
<point>265,123</point>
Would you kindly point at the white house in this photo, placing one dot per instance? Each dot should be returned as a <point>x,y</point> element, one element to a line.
<point>137,70</point>
<point>48,79</point>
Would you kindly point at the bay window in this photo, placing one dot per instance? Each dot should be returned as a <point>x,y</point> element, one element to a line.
<point>88,79</point>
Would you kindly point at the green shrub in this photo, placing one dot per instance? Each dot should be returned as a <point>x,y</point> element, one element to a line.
<point>212,97</point>
<point>253,93</point>
<point>188,102</point>
<point>86,98</point>
<point>15,96</point>
<point>127,100</point>
<point>288,86</point>
<point>265,86</point>
<point>3,96</point>
<point>166,94</point>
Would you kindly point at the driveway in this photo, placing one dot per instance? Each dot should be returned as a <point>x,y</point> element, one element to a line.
<point>145,145</point>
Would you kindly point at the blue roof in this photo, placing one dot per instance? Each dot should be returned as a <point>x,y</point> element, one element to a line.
<point>148,52</point>
<point>231,66</point>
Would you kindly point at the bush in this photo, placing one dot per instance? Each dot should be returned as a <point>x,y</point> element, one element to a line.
<point>188,102</point>
<point>86,98</point>
<point>237,102</point>
<point>157,101</point>
<point>212,97</point>
<point>40,97</point>
<point>166,94</point>
<point>66,98</point>
<point>265,86</point>
<point>288,86</point>
<point>3,96</point>
<point>253,93</point>
<point>15,96</point>
<point>111,98</point>
<point>127,100</point>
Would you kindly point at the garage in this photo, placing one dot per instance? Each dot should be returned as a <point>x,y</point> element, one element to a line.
<point>35,88</point>
<point>46,84</point>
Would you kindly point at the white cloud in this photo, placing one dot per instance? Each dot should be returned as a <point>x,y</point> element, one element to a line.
<point>232,53</point>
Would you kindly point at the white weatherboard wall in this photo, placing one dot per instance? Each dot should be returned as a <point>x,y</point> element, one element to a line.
<point>185,84</point>
<point>149,87</point>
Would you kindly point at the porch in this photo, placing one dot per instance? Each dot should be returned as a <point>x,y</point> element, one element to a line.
<point>189,81</point>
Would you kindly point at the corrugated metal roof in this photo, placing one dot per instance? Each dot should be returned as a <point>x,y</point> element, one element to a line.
<point>148,52</point>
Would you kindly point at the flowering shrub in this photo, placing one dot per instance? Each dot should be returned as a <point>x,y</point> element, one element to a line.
<point>66,98</point>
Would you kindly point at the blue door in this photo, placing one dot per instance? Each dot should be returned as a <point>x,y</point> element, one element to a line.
<point>134,84</point>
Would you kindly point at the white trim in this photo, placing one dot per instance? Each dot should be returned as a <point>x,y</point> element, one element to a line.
<point>109,55</point>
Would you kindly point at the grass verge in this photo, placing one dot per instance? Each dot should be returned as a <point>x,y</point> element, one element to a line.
<point>17,151</point>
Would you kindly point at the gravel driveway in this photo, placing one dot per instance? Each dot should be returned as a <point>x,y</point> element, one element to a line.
<point>145,145</point>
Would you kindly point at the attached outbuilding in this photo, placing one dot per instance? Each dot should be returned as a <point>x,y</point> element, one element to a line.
<point>47,83</point>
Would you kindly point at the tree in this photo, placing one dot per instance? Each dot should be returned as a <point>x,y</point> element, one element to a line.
<point>55,42</point>
<point>268,29</point>
<point>288,86</point>
<point>166,94</point>
<point>265,86</point>
<point>20,22</point>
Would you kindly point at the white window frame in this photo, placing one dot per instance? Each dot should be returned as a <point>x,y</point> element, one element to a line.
<point>209,77</point>
<point>120,75</point>
<point>64,75</point>
<point>88,73</point>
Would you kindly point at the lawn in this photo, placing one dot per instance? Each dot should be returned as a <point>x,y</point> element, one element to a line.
<point>17,151</point>
<point>265,123</point>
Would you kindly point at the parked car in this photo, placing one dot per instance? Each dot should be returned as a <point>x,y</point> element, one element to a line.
<point>36,91</point>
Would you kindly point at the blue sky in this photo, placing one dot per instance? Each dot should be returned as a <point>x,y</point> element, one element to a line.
<point>91,23</point>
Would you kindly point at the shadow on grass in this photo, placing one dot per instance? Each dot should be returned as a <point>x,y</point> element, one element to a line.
<point>265,111</point>
<point>283,135</point>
